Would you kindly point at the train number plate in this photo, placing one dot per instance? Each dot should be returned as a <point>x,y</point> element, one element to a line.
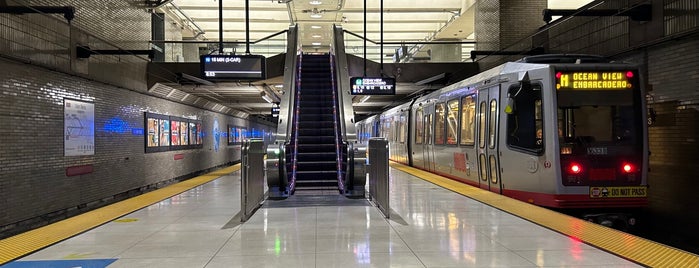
<point>613,192</point>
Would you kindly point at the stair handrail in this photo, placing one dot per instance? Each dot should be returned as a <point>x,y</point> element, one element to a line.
<point>277,179</point>
<point>355,153</point>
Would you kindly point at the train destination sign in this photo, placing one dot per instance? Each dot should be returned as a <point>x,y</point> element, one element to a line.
<point>233,67</point>
<point>594,80</point>
<point>373,85</point>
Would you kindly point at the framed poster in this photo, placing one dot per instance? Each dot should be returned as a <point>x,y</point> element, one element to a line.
<point>78,128</point>
<point>193,133</point>
<point>152,139</point>
<point>175,132</point>
<point>184,137</point>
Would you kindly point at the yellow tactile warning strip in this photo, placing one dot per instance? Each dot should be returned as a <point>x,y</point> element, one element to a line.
<point>633,248</point>
<point>22,244</point>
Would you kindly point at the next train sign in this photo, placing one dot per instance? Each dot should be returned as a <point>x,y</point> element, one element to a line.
<point>373,85</point>
<point>586,80</point>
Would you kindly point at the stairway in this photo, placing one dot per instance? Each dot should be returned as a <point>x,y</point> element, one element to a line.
<point>316,136</point>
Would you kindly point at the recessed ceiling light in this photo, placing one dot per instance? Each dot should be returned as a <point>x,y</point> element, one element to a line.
<point>315,43</point>
<point>316,15</point>
<point>316,36</point>
<point>315,2</point>
<point>316,26</point>
<point>278,86</point>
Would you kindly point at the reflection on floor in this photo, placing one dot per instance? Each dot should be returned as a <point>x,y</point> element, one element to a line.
<point>429,227</point>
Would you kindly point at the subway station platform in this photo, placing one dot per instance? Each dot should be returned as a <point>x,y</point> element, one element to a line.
<point>429,226</point>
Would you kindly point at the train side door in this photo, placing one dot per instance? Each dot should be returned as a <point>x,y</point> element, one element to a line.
<point>488,119</point>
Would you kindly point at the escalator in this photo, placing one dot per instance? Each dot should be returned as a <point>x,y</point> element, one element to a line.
<point>316,154</point>
<point>315,151</point>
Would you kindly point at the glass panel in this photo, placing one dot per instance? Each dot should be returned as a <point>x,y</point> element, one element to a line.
<point>452,121</point>
<point>493,170</point>
<point>428,129</point>
<point>525,126</point>
<point>419,126</point>
<point>439,124</point>
<point>492,123</point>
<point>468,114</point>
<point>402,128</point>
<point>481,125</point>
<point>483,167</point>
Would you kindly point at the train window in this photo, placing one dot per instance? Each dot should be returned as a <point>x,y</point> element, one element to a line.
<point>402,129</point>
<point>468,115</point>
<point>524,124</point>
<point>428,129</point>
<point>419,126</point>
<point>481,125</point>
<point>439,123</point>
<point>452,120</point>
<point>492,124</point>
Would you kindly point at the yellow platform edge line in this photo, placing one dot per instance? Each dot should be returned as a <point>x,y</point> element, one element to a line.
<point>616,242</point>
<point>25,243</point>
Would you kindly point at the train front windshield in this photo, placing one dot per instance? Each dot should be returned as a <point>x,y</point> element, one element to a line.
<point>600,128</point>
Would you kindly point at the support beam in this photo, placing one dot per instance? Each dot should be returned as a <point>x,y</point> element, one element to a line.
<point>534,51</point>
<point>67,11</point>
<point>642,12</point>
<point>84,52</point>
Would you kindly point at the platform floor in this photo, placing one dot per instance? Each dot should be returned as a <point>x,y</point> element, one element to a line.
<point>429,227</point>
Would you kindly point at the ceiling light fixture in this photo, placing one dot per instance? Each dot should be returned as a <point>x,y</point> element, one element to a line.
<point>315,27</point>
<point>316,15</point>
<point>315,2</point>
<point>317,36</point>
<point>315,43</point>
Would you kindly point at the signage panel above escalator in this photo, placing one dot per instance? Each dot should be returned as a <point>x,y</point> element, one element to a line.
<point>233,67</point>
<point>373,85</point>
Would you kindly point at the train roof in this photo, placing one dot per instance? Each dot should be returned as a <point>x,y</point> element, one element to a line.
<point>503,69</point>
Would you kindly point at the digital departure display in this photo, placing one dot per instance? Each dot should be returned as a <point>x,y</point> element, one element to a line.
<point>594,80</point>
<point>373,85</point>
<point>233,67</point>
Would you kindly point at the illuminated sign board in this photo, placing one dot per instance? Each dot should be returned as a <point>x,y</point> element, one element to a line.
<point>373,85</point>
<point>594,80</point>
<point>233,67</point>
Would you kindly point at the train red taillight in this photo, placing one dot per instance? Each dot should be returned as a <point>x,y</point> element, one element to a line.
<point>627,168</point>
<point>575,168</point>
<point>629,74</point>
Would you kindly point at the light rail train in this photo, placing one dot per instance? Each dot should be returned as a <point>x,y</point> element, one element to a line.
<point>566,132</point>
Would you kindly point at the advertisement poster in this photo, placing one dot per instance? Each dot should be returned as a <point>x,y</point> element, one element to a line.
<point>193,132</point>
<point>153,132</point>
<point>164,132</point>
<point>199,134</point>
<point>175,132</point>
<point>79,128</point>
<point>183,134</point>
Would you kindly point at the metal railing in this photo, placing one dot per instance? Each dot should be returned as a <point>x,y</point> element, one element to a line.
<point>378,174</point>
<point>252,177</point>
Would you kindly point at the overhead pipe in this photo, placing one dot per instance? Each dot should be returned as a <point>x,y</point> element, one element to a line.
<point>220,27</point>
<point>247,27</point>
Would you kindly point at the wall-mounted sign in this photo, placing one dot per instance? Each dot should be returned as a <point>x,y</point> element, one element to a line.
<point>233,67</point>
<point>373,85</point>
<point>78,128</point>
